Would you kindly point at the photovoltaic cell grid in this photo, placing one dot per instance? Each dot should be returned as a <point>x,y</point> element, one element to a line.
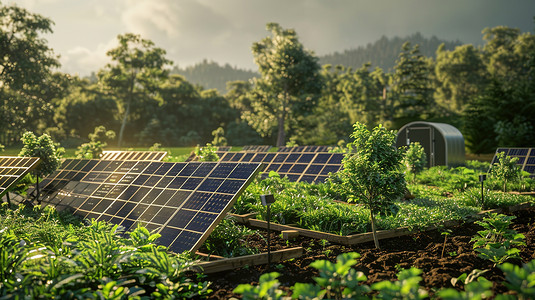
<point>224,148</point>
<point>256,148</point>
<point>12,169</point>
<point>526,158</point>
<point>133,155</point>
<point>308,167</point>
<point>299,149</point>
<point>181,201</point>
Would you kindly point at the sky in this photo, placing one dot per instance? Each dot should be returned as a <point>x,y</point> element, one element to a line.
<point>224,30</point>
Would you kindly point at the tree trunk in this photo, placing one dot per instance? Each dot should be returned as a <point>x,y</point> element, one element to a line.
<point>281,136</point>
<point>123,125</point>
<point>374,231</point>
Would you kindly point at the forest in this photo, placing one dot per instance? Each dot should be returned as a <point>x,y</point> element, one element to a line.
<point>488,92</point>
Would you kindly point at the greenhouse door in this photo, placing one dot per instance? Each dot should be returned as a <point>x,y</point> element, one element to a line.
<point>425,136</point>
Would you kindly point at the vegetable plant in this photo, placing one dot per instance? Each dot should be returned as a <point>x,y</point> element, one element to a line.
<point>371,173</point>
<point>505,169</point>
<point>520,279</point>
<point>206,153</point>
<point>496,241</point>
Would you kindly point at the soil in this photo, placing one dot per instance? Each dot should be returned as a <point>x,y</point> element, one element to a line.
<point>421,250</point>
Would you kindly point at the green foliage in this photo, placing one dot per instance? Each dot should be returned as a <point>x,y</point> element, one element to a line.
<point>96,144</point>
<point>496,241</point>
<point>475,290</point>
<point>206,153</point>
<point>520,279</point>
<point>371,173</point>
<point>230,240</point>
<point>505,169</point>
<point>45,255</point>
<point>44,148</point>
<point>415,158</point>
<point>267,288</point>
<point>337,280</point>
<point>289,83</point>
<point>407,286</point>
<point>219,137</point>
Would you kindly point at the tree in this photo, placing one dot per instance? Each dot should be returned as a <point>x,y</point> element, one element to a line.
<point>505,169</point>
<point>97,142</point>
<point>289,83</point>
<point>26,63</point>
<point>44,148</point>
<point>461,76</point>
<point>411,84</point>
<point>372,170</point>
<point>134,75</point>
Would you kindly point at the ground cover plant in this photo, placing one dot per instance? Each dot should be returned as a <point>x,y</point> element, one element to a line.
<point>44,254</point>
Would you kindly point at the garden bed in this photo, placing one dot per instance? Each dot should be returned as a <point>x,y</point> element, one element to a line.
<point>421,249</point>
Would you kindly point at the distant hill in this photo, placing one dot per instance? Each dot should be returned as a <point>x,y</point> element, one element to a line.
<point>210,75</point>
<point>384,52</point>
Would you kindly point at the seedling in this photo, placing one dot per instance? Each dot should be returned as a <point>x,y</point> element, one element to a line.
<point>445,233</point>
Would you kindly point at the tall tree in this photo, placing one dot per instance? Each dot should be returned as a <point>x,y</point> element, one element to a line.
<point>133,76</point>
<point>26,64</point>
<point>289,84</point>
<point>412,84</point>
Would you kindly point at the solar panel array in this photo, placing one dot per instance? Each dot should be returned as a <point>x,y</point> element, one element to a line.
<point>224,148</point>
<point>181,201</point>
<point>256,148</point>
<point>133,155</point>
<point>311,149</point>
<point>526,158</point>
<point>308,167</point>
<point>12,169</point>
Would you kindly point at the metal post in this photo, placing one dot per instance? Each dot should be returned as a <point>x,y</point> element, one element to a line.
<point>267,200</point>
<point>482,179</point>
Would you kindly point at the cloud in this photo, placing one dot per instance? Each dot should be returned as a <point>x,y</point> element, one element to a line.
<point>83,61</point>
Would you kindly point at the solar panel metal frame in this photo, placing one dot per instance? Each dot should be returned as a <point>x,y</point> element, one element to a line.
<point>157,194</point>
<point>256,148</point>
<point>526,158</point>
<point>14,168</point>
<point>133,155</point>
<point>302,166</point>
<point>309,149</point>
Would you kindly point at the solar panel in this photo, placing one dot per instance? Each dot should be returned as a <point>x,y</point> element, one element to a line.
<point>299,149</point>
<point>256,148</point>
<point>526,158</point>
<point>181,201</point>
<point>224,148</point>
<point>193,156</point>
<point>134,155</point>
<point>12,169</point>
<point>308,167</point>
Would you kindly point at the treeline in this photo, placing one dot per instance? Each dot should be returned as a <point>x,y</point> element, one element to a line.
<point>384,52</point>
<point>488,92</point>
<point>210,75</point>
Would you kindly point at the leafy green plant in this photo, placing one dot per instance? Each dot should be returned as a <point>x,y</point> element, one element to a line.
<point>230,240</point>
<point>475,290</point>
<point>414,158</point>
<point>96,144</point>
<point>496,241</point>
<point>371,173</point>
<point>206,153</point>
<point>520,279</point>
<point>505,169</point>
<point>267,288</point>
<point>407,286</point>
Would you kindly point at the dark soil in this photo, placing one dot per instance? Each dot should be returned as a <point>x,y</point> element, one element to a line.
<point>421,250</point>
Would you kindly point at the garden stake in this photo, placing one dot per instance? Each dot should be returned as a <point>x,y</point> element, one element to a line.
<point>482,179</point>
<point>266,201</point>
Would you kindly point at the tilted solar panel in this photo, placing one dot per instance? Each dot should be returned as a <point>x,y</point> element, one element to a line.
<point>134,155</point>
<point>308,167</point>
<point>13,168</point>
<point>526,158</point>
<point>223,148</point>
<point>181,201</point>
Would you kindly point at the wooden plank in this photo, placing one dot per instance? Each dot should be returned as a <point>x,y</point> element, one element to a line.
<point>289,234</point>
<point>250,260</point>
<point>209,256</point>
<point>242,219</point>
<point>303,232</point>
<point>520,206</point>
